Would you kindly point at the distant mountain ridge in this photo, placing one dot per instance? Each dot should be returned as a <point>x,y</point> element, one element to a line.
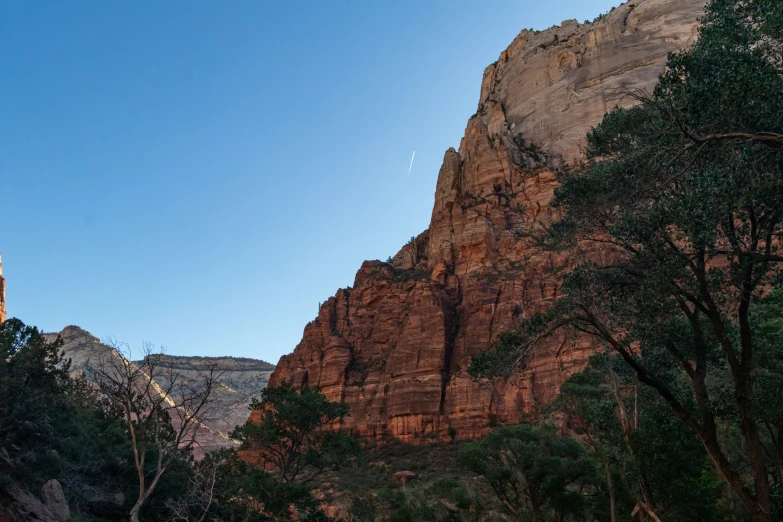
<point>227,363</point>
<point>242,379</point>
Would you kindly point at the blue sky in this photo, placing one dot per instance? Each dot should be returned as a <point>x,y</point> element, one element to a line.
<point>202,174</point>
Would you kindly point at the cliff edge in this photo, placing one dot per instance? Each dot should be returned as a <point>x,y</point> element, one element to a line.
<point>395,346</point>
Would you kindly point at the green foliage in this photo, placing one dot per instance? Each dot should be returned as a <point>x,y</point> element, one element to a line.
<point>443,499</point>
<point>402,275</point>
<point>56,427</point>
<point>290,446</point>
<point>531,469</point>
<point>684,192</point>
<point>511,352</point>
<point>767,324</point>
<point>643,458</point>
<point>246,493</point>
<point>502,360</point>
<point>441,492</point>
<point>363,510</point>
<point>32,399</point>
<point>291,433</point>
<point>64,428</point>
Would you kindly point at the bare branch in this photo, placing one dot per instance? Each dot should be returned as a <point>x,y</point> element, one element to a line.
<point>161,412</point>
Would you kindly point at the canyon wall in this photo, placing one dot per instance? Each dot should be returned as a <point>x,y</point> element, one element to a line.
<point>240,380</point>
<point>395,346</point>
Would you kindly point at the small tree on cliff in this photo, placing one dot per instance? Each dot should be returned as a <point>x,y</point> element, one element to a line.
<point>293,433</point>
<point>686,191</point>
<point>161,421</point>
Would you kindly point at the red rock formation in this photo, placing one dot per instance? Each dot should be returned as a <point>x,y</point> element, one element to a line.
<point>395,346</point>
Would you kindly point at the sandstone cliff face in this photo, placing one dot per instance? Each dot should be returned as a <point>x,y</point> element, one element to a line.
<point>395,346</point>
<point>241,380</point>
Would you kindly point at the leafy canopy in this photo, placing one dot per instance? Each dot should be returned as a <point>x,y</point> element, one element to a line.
<point>292,433</point>
<point>684,192</point>
<point>531,469</point>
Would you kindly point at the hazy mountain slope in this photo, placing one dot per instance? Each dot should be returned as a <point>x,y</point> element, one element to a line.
<point>242,379</point>
<point>395,345</point>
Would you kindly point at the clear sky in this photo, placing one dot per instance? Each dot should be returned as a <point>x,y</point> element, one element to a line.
<point>202,174</point>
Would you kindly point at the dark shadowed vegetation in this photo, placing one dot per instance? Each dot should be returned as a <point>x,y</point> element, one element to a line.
<point>685,192</point>
<point>677,418</point>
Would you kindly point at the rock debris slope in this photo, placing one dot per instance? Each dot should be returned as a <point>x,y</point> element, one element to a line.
<point>395,346</point>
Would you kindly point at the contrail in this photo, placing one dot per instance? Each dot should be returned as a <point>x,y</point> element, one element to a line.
<point>409,168</point>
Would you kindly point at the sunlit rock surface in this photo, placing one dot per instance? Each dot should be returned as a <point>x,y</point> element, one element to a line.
<point>395,346</point>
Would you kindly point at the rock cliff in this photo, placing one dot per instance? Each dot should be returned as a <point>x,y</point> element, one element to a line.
<point>241,380</point>
<point>395,346</point>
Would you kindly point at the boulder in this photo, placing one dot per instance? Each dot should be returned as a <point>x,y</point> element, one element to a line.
<point>54,498</point>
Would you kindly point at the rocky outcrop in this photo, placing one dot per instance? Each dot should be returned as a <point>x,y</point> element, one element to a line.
<point>554,85</point>
<point>84,351</point>
<point>395,346</point>
<point>17,505</point>
<point>240,380</point>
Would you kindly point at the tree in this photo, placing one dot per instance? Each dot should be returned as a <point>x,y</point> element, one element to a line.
<point>224,487</point>
<point>684,191</point>
<point>203,489</point>
<point>293,433</point>
<point>246,493</point>
<point>162,422</point>
<point>589,402</point>
<point>33,382</point>
<point>645,452</point>
<point>57,427</point>
<point>531,469</point>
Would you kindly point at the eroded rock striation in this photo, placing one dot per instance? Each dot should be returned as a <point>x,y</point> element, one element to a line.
<point>395,346</point>
<point>240,381</point>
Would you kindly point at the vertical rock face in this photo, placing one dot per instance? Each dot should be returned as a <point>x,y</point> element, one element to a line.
<point>395,346</point>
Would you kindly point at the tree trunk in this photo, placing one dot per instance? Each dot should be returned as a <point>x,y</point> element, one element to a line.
<point>755,509</point>
<point>629,425</point>
<point>535,510</point>
<point>758,504</point>
<point>743,395</point>
<point>730,502</point>
<point>134,514</point>
<point>610,486</point>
